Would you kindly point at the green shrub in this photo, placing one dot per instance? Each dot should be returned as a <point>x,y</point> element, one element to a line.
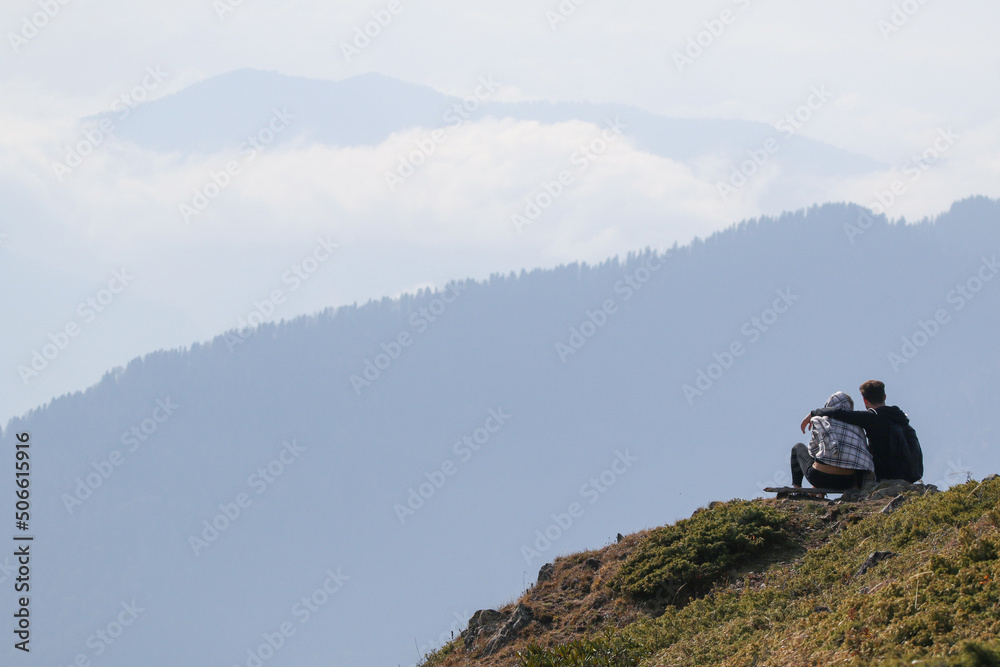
<point>676,563</point>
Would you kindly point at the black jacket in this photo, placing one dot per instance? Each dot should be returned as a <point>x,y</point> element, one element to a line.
<point>875,422</point>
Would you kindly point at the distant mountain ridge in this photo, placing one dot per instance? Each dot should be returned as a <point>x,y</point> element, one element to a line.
<point>443,371</point>
<point>216,114</point>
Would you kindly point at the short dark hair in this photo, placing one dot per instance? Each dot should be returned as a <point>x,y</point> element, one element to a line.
<point>873,391</point>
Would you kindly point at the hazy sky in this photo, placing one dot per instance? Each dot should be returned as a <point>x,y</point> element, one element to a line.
<point>897,77</point>
<point>938,67</point>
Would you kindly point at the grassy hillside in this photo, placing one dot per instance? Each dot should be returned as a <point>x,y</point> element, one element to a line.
<point>767,582</point>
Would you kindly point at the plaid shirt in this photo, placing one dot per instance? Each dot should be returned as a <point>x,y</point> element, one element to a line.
<point>838,443</point>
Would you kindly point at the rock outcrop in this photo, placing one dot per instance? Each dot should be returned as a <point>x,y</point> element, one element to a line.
<point>496,628</point>
<point>887,488</point>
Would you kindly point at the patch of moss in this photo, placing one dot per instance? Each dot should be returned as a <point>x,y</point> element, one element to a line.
<point>611,649</point>
<point>972,654</point>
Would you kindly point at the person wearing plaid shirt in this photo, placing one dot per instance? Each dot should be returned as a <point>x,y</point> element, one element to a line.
<point>837,456</point>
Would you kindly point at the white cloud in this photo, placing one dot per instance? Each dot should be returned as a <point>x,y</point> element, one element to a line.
<point>121,204</point>
<point>463,193</point>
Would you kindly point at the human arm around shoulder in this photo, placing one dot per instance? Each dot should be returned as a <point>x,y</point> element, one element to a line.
<point>862,418</point>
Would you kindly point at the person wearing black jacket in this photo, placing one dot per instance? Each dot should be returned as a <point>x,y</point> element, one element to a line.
<point>875,420</point>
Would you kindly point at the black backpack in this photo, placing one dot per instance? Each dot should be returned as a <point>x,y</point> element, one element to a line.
<point>902,458</point>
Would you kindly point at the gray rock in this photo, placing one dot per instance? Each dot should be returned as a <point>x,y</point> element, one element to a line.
<point>508,631</point>
<point>483,623</point>
<point>887,488</point>
<point>850,496</point>
<point>545,573</point>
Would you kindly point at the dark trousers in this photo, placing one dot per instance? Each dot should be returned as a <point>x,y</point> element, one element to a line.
<point>802,462</point>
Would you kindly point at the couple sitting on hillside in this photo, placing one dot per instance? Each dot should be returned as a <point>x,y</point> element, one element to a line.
<point>840,456</point>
